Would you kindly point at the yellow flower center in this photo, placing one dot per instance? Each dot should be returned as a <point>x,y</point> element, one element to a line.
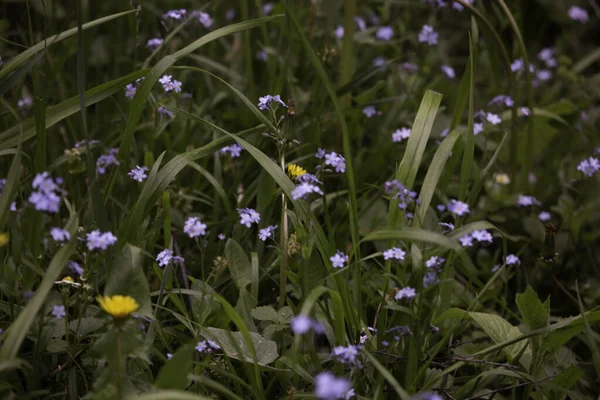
<point>68,279</point>
<point>502,179</point>
<point>295,171</point>
<point>3,238</point>
<point>118,306</point>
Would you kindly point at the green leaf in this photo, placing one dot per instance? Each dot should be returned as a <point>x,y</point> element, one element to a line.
<point>387,375</point>
<point>408,233</point>
<point>566,379</point>
<point>173,375</point>
<point>10,188</point>
<point>265,313</point>
<point>499,330</point>
<point>234,345</point>
<point>285,315</point>
<point>238,263</point>
<point>535,314</point>
<point>126,278</point>
<point>168,395</point>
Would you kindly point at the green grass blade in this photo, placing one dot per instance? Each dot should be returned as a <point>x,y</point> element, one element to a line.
<point>468,153</point>
<point>412,234</point>
<point>387,375</point>
<point>10,189</point>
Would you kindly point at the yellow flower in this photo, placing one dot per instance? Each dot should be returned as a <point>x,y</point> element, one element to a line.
<point>295,171</point>
<point>502,179</point>
<point>118,306</point>
<point>3,239</point>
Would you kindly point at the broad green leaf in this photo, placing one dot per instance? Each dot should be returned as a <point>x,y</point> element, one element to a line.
<point>168,395</point>
<point>238,263</point>
<point>566,379</point>
<point>387,375</point>
<point>126,278</point>
<point>173,375</point>
<point>231,342</point>
<point>535,314</point>
<point>265,313</point>
<point>408,233</point>
<point>499,330</point>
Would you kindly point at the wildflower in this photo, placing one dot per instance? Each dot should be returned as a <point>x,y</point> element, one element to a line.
<point>164,257</point>
<point>441,207</point>
<point>295,171</point>
<point>428,35</point>
<point>118,306</point>
<point>578,14</point>
<point>378,62</point>
<point>45,198</point>
<point>511,259</point>
<point>434,261</point>
<point>339,259</point>
<point>221,236</point>
<point>477,128</point>
<point>360,23</point>
<point>320,153</point>
<point>230,14</point>
<point>60,235</point>
<point>207,347</point>
<point>544,216</point>
<point>235,150</point>
<point>543,75</point>
<point>466,240</point>
<point>502,179</point>
<point>448,71</point>
<point>59,312</point>
<point>502,99</point>
<point>405,293</point>
<point>301,324</point>
<point>302,190</point>
<point>175,14</point>
<point>337,161</point>
<point>547,56</point>
<point>72,265</point>
<point>401,134</point>
<point>169,356</point>
<point>430,278</point>
<point>369,111</point>
<point>339,32</point>
<point>401,193</point>
<point>67,280</point>
<point>204,19</point>
<point>165,80</point>
<point>482,236</point>
<point>193,227</point>
<point>460,7</point>
<point>525,112</point>
<point>154,43</point>
<point>458,207</point>
<point>25,101</point>
<point>266,101</point>
<point>328,387</point>
<point>525,201</point>
<point>384,33</point>
<point>130,90</point>
<point>410,67</point>
<point>517,65</point>
<point>346,355</point>
<point>138,173</point>
<point>394,253</point>
<point>589,166</point>
<point>164,112</point>
<point>249,216</point>
<point>176,86</point>
<point>100,240</point>
<point>267,8</point>
<point>493,119</point>
<point>267,232</point>
<point>427,396</point>
<point>106,160</point>
<point>262,55</point>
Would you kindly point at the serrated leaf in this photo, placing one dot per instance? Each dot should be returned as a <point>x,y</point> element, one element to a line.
<point>272,329</point>
<point>535,314</point>
<point>285,315</point>
<point>265,313</point>
<point>500,330</point>
<point>233,344</point>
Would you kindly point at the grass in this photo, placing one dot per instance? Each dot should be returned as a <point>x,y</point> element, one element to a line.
<point>457,262</point>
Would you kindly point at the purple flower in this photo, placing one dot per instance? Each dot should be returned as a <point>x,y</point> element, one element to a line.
<point>493,119</point>
<point>441,207</point>
<point>434,261</point>
<point>477,128</point>
<point>339,259</point>
<point>336,161</point>
<point>400,134</point>
<point>394,253</point>
<point>346,355</point>
<point>164,112</point>
<point>458,207</point>
<point>430,278</point>
<point>221,236</point>
<point>339,32</point>
<point>517,65</point>
<point>266,101</point>
<point>138,173</point>
<point>369,111</point>
<point>360,23</point>
<point>427,396</point>
<point>46,197</point>
<point>544,216</point>
<point>175,14</point>
<point>543,75</point>
<point>466,240</point>
<point>130,90</point>
<point>106,160</point>
<point>72,265</point>
<point>164,80</point>
<point>59,312</point>
<point>301,324</point>
<point>525,112</point>
<point>428,35</point>
<point>267,232</point>
<point>578,14</point>
<point>235,150</point>
<point>378,62</point>
<point>525,201</point>
<point>547,56</point>
<point>448,71</point>
<point>267,8</point>
<point>169,356</point>
<point>302,190</point>
<point>589,166</point>
<point>60,235</point>
<point>384,33</point>
<point>207,347</point>
<point>193,227</point>
<point>262,55</point>
<point>204,19</point>
<point>502,99</point>
<point>328,387</point>
<point>410,67</point>
<point>230,14</point>
<point>460,7</point>
<point>164,257</point>
<point>320,153</point>
<point>100,240</point>
<point>25,101</point>
<point>482,236</point>
<point>511,259</point>
<point>249,216</point>
<point>405,293</point>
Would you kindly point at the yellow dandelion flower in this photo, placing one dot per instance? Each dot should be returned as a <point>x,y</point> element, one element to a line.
<point>295,171</point>
<point>3,239</point>
<point>502,179</point>
<point>118,306</point>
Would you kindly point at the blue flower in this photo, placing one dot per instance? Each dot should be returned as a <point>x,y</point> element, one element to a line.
<point>267,232</point>
<point>405,293</point>
<point>164,257</point>
<point>60,235</point>
<point>100,240</point>
<point>337,161</point>
<point>138,173</point>
<point>106,160</point>
<point>266,101</point>
<point>428,35</point>
<point>384,33</point>
<point>339,259</point>
<point>302,190</point>
<point>301,324</point>
<point>458,207</point>
<point>328,387</point>
<point>193,227</point>
<point>394,253</point>
<point>248,216</point>
<point>59,312</point>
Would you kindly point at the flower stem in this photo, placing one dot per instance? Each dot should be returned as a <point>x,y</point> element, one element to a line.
<point>119,366</point>
<point>283,239</point>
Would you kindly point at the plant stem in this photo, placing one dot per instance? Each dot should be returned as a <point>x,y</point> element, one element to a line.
<point>283,238</point>
<point>119,366</point>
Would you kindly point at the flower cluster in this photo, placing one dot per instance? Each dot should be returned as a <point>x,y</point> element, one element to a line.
<point>394,253</point>
<point>433,265</point>
<point>346,355</point>
<point>589,166</point>
<point>166,256</point>
<point>428,35</point>
<point>399,192</point>
<point>25,101</point>
<point>46,197</point>
<point>265,102</point>
<point>100,240</point>
<point>579,14</point>
<point>407,293</point>
<point>502,99</point>
<point>153,44</point>
<point>481,236</point>
<point>339,259</point>
<point>131,88</point>
<point>138,173</point>
<point>204,19</point>
<point>207,346</point>
<point>336,161</point>
<point>329,387</point>
<point>170,84</point>
<point>106,160</point>
<point>458,207</point>
<point>301,324</point>
<point>193,227</point>
<point>401,134</point>
<point>526,201</point>
<point>248,216</point>
<point>164,112</point>
<point>303,189</point>
<point>267,232</point>
<point>235,150</point>
<point>60,235</point>
<point>175,14</point>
